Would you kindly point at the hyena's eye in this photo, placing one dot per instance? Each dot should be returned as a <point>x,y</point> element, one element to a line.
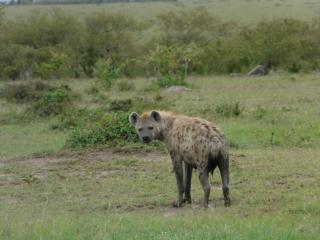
<point>140,129</point>
<point>150,128</point>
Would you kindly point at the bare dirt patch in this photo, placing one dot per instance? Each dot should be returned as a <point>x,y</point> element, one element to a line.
<point>40,165</point>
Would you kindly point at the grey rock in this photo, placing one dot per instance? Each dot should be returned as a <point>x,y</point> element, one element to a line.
<point>178,89</point>
<point>259,70</point>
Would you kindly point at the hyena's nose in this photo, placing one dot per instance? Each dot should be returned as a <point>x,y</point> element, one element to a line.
<point>146,139</point>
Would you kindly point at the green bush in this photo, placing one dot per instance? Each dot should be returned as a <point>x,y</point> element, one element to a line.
<point>1,14</point>
<point>287,44</point>
<point>195,26</point>
<point>282,43</point>
<point>107,72</point>
<point>24,92</point>
<point>172,64</point>
<point>35,45</point>
<point>52,102</point>
<point>167,80</point>
<point>54,44</point>
<point>108,36</point>
<point>112,128</point>
<point>13,61</point>
<point>41,29</point>
<point>57,66</point>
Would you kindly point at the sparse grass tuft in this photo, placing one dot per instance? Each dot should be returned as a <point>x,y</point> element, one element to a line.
<point>125,85</point>
<point>228,109</point>
<point>123,105</point>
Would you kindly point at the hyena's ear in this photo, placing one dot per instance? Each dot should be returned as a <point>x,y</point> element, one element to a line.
<point>133,118</point>
<point>156,116</point>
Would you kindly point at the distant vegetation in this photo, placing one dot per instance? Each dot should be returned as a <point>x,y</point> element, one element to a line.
<point>25,2</point>
<point>54,44</point>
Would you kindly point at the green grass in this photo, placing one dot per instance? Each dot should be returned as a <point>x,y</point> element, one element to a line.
<point>276,111</point>
<point>274,196</point>
<point>110,195</point>
<point>96,194</point>
<point>204,225</point>
<point>247,11</point>
<point>19,140</point>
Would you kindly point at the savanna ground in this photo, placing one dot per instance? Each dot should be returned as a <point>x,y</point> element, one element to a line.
<point>50,191</point>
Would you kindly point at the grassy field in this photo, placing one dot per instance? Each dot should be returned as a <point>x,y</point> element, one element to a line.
<point>247,11</point>
<point>48,191</point>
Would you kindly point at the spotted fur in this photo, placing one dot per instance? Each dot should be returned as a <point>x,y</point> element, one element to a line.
<point>192,142</point>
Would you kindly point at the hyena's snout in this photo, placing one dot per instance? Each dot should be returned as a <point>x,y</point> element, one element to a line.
<point>146,139</point>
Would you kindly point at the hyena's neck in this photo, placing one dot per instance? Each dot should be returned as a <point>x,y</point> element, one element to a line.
<point>166,125</point>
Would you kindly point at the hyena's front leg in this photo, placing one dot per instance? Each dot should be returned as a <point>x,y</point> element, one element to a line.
<point>187,182</point>
<point>177,167</point>
<point>224,172</point>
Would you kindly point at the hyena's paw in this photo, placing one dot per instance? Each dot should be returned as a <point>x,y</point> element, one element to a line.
<point>176,204</point>
<point>187,200</point>
<point>227,203</point>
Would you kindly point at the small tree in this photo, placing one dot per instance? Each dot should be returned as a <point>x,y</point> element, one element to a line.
<point>172,64</point>
<point>1,16</point>
<point>192,26</point>
<point>108,35</point>
<point>106,71</point>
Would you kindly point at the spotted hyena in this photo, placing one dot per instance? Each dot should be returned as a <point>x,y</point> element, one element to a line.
<point>195,142</point>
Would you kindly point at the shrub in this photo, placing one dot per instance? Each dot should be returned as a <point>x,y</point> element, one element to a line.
<point>113,128</point>
<point>172,64</point>
<point>52,102</point>
<point>108,35</point>
<point>54,44</point>
<point>107,72</point>
<point>286,43</point>
<point>46,100</point>
<point>41,29</point>
<point>191,26</point>
<point>13,61</point>
<point>167,80</point>
<point>24,92</point>
<point>1,14</point>
<point>26,62</point>
<point>57,66</point>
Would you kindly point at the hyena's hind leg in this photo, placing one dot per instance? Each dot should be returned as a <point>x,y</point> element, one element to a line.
<point>187,182</point>
<point>204,180</point>
<point>224,172</point>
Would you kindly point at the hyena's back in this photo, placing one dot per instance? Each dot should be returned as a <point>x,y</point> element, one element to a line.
<point>195,139</point>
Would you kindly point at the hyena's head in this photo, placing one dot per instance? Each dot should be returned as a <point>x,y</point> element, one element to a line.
<point>147,125</point>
